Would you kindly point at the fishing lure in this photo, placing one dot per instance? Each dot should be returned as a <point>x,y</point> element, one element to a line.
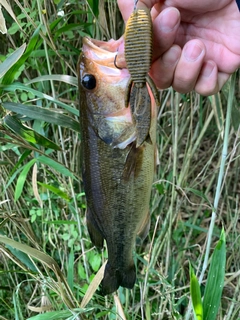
<point>138,56</point>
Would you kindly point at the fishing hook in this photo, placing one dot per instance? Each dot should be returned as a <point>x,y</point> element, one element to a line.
<point>115,62</point>
<point>135,4</point>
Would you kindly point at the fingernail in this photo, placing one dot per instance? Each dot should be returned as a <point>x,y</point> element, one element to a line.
<point>171,57</point>
<point>169,19</point>
<point>192,52</point>
<point>207,69</point>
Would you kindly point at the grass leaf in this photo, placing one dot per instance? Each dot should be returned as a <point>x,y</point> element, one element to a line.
<point>23,257</point>
<point>215,280</point>
<point>5,4</point>
<point>56,166</point>
<point>11,60</point>
<point>73,81</point>
<point>18,86</point>
<point>62,314</point>
<point>70,269</point>
<point>195,295</point>
<point>27,133</point>
<point>22,178</point>
<point>55,190</point>
<point>9,76</point>
<point>47,115</point>
<point>93,286</point>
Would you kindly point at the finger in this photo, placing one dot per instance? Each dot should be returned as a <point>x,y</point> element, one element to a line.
<point>210,81</point>
<point>164,31</point>
<point>207,82</point>
<point>222,79</point>
<point>126,8</point>
<point>189,66</point>
<point>162,70</point>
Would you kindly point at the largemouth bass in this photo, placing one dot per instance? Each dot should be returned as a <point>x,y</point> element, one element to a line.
<point>117,175</point>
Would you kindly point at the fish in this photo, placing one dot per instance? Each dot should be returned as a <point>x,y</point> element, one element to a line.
<point>117,175</point>
<point>138,56</point>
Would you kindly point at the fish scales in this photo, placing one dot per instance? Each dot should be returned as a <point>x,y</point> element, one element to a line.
<point>117,175</point>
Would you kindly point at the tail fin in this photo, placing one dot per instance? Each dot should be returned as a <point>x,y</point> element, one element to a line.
<point>114,278</point>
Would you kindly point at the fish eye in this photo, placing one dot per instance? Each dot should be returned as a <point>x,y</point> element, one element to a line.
<point>89,81</point>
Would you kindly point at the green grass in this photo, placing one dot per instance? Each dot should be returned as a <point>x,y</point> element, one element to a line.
<point>46,258</point>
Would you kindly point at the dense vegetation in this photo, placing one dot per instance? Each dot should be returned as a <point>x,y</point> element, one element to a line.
<point>46,258</point>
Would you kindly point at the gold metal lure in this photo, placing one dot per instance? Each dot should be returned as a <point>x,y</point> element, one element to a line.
<point>138,55</point>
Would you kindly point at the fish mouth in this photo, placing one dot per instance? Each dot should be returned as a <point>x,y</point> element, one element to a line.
<point>104,55</point>
<point>111,46</point>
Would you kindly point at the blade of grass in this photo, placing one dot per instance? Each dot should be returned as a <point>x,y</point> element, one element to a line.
<point>22,178</point>
<point>215,280</point>
<point>62,314</point>
<point>195,295</point>
<point>47,115</point>
<point>55,190</point>
<point>70,270</point>
<point>93,286</point>
<point>3,28</point>
<point>8,8</point>
<point>11,60</point>
<point>19,86</point>
<point>28,134</point>
<point>10,74</point>
<point>56,77</point>
<point>17,307</point>
<point>56,166</point>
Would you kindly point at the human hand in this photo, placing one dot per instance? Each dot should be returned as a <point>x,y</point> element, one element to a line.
<point>196,43</point>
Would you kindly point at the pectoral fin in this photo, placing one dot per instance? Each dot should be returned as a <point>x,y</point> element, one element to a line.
<point>93,230</point>
<point>133,163</point>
